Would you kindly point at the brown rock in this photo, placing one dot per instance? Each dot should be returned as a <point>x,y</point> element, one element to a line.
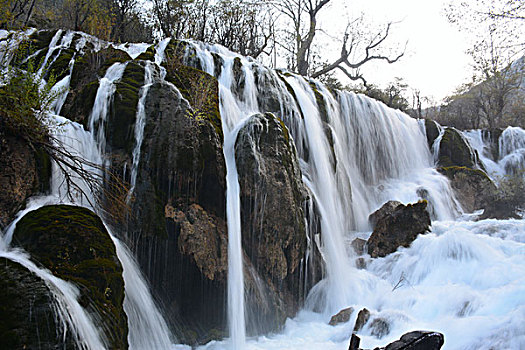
<point>362,318</point>
<point>385,210</point>
<point>342,316</point>
<point>400,228</point>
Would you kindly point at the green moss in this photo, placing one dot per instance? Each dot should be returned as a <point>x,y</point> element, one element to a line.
<point>201,90</point>
<point>119,132</point>
<point>148,55</point>
<point>74,245</point>
<point>451,171</point>
<point>60,67</point>
<point>453,150</point>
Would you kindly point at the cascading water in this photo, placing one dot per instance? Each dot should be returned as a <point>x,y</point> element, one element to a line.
<point>147,328</point>
<point>464,279</point>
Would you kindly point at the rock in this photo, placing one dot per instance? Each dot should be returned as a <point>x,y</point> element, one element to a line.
<point>386,209</point>
<point>360,263</point>
<point>359,246</point>
<point>354,342</point>
<point>432,131</point>
<point>379,327</point>
<point>342,316</point>
<point>27,316</point>
<point>473,188</point>
<point>418,340</point>
<point>23,173</point>
<point>455,151</point>
<point>362,318</point>
<point>272,200</point>
<point>400,228</point>
<point>72,242</point>
<point>178,221</point>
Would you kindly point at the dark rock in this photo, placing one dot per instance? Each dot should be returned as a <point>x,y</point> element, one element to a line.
<point>89,67</point>
<point>342,316</point>
<point>418,340</point>
<point>272,200</point>
<point>455,151</point>
<point>354,342</point>
<point>473,188</point>
<point>178,224</point>
<point>386,209</point>
<point>400,228</point>
<point>120,129</point>
<point>432,131</point>
<point>360,263</point>
<point>27,316</point>
<point>23,173</point>
<point>362,318</point>
<point>359,246</point>
<point>379,327</point>
<point>74,245</point>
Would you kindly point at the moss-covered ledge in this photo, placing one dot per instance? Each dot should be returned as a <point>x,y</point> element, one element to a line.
<point>73,243</point>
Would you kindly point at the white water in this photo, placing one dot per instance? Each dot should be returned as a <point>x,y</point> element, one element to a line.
<point>147,328</point>
<point>380,154</point>
<point>511,149</point>
<point>140,122</point>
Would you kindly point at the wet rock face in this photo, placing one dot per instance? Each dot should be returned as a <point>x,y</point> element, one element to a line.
<point>177,227</point>
<point>386,209</point>
<point>454,151</point>
<point>399,228</point>
<point>417,340</point>
<point>74,245</point>
<point>473,188</point>
<point>432,131</point>
<point>18,174</point>
<point>27,318</point>
<point>272,200</point>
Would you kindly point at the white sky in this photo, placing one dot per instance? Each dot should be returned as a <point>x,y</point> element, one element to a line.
<point>435,61</point>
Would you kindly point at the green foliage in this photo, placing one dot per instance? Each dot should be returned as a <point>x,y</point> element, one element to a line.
<point>24,103</point>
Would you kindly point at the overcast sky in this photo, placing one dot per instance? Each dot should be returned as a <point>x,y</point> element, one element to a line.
<point>435,61</point>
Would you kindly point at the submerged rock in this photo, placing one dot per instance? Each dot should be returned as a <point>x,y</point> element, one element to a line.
<point>341,317</point>
<point>27,316</point>
<point>398,229</point>
<point>272,216</point>
<point>72,242</point>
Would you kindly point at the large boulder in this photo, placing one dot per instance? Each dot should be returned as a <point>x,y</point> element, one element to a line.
<point>178,224</point>
<point>455,151</point>
<point>272,216</point>
<point>73,243</point>
<point>386,209</point>
<point>398,229</point>
<point>473,188</point>
<point>27,316</point>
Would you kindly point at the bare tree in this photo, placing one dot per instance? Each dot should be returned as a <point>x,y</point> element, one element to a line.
<point>303,16</point>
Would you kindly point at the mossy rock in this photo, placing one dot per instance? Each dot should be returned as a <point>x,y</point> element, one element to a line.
<point>27,316</point>
<point>148,55</point>
<point>454,151</point>
<point>201,90</point>
<point>123,110</point>
<point>43,169</point>
<point>73,243</point>
<point>60,67</point>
